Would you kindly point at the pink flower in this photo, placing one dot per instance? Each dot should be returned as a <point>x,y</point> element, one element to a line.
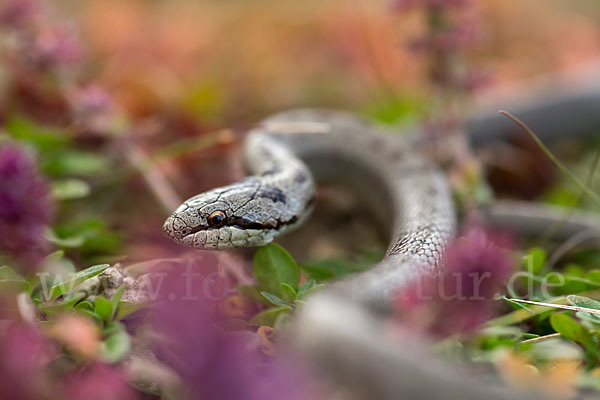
<point>98,382</point>
<point>476,266</point>
<point>25,206</point>
<point>91,108</point>
<point>14,13</point>
<point>91,100</point>
<point>404,5</point>
<point>24,354</point>
<point>213,363</point>
<point>54,46</point>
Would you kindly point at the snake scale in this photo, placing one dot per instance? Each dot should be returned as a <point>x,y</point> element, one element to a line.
<point>287,154</point>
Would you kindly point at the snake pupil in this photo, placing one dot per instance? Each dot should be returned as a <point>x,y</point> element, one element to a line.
<point>216,219</point>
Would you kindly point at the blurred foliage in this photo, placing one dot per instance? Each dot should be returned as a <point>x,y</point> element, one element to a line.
<point>179,71</point>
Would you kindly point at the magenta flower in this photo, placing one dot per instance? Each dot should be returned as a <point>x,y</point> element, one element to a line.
<point>476,267</point>
<point>24,354</point>
<point>90,100</point>
<point>54,46</point>
<point>14,13</point>
<point>91,108</point>
<point>404,5</point>
<point>98,382</point>
<point>213,363</point>
<point>25,207</point>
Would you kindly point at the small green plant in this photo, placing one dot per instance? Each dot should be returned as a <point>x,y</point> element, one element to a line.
<point>278,285</point>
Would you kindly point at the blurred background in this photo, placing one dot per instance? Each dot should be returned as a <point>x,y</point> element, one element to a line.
<point>154,96</point>
<point>166,88</point>
<point>112,112</point>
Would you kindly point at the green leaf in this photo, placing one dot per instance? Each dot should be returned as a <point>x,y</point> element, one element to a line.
<point>306,287</point>
<point>535,259</point>
<point>98,239</point>
<point>282,321</point>
<point>269,316</point>
<point>56,256</point>
<point>67,305</point>
<point>572,330</point>
<point>117,345</point>
<point>273,266</point>
<point>273,299</point>
<point>91,314</point>
<point>395,110</point>
<point>116,298</point>
<point>329,268</point>
<point>589,317</point>
<point>251,293</point>
<point>308,292</point>
<point>73,298</point>
<point>76,163</point>
<point>593,275</point>
<point>18,286</point>
<point>289,294</point>
<point>71,242</point>
<point>126,308</point>
<point>7,273</point>
<point>70,189</point>
<point>85,305</point>
<point>581,301</point>
<point>104,309</point>
<point>75,280</point>
<point>318,272</point>
<point>43,138</point>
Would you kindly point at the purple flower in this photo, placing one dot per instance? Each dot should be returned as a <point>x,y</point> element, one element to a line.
<point>25,207</point>
<point>91,108</point>
<point>476,266</point>
<point>404,5</point>
<point>91,100</point>
<point>98,382</point>
<point>213,364</point>
<point>24,354</point>
<point>53,46</point>
<point>14,13</point>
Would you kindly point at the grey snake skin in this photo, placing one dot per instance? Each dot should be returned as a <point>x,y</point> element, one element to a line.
<point>290,151</point>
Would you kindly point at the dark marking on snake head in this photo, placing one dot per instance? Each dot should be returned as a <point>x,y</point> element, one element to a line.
<point>243,223</point>
<point>300,177</point>
<point>272,193</point>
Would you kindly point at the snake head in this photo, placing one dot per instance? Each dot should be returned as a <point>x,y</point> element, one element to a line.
<point>246,214</point>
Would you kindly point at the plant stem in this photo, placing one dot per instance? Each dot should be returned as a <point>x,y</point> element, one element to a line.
<point>576,181</point>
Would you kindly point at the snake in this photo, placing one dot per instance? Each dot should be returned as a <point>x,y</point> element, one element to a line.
<point>291,152</point>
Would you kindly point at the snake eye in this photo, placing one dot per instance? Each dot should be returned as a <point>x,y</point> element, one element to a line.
<point>216,219</point>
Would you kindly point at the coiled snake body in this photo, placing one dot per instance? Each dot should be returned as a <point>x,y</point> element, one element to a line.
<point>286,154</point>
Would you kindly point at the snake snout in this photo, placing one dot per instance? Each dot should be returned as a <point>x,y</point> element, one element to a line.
<point>170,229</point>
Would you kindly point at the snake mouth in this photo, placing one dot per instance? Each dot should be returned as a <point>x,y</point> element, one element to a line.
<point>243,224</point>
<point>182,234</point>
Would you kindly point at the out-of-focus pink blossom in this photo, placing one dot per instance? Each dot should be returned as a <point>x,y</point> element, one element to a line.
<point>404,5</point>
<point>25,206</point>
<point>54,46</point>
<point>24,354</point>
<point>90,100</point>
<point>214,364</point>
<point>98,382</point>
<point>16,13</point>
<point>92,109</point>
<point>450,39</point>
<point>476,266</point>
